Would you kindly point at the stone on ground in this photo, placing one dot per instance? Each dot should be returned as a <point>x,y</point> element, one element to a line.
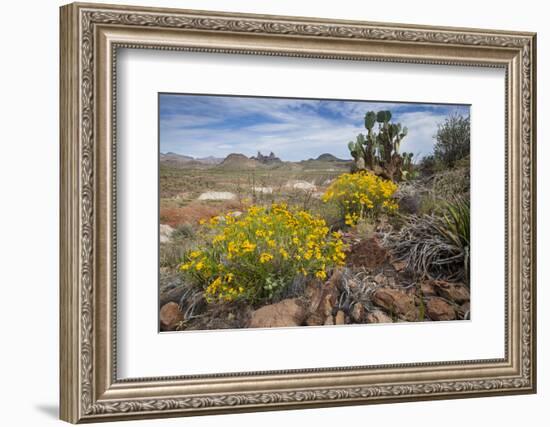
<point>288,312</point>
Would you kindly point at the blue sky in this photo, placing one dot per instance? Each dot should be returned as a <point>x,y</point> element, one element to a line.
<point>294,129</point>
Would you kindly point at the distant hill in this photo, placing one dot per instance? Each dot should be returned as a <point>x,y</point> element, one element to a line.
<point>210,160</point>
<point>241,161</point>
<point>237,160</point>
<point>174,157</point>
<point>327,157</point>
<point>325,160</point>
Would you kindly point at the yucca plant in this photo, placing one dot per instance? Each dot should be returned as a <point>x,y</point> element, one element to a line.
<point>436,246</point>
<point>457,220</point>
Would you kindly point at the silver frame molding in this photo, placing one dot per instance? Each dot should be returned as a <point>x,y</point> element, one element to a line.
<point>90,37</point>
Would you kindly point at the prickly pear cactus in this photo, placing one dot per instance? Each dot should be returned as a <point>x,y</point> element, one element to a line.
<point>379,149</point>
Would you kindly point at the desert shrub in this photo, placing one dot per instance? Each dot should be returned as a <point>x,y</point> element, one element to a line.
<point>330,212</point>
<point>365,228</point>
<point>410,195</point>
<point>170,254</point>
<point>453,140</point>
<point>436,246</point>
<point>452,183</point>
<point>184,231</point>
<point>256,256</point>
<point>430,204</point>
<point>463,163</point>
<point>172,251</point>
<point>428,165</point>
<point>182,239</point>
<point>361,195</point>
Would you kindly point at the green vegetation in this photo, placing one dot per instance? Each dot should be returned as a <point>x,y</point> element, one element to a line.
<point>361,195</point>
<point>258,254</point>
<point>452,147</point>
<point>251,231</point>
<point>378,151</point>
<point>436,246</point>
<point>453,140</point>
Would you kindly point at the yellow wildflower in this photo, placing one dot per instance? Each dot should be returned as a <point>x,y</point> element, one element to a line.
<point>265,257</point>
<point>361,195</point>
<point>282,241</point>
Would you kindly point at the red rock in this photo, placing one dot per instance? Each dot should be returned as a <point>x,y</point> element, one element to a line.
<point>439,309</point>
<point>427,289</point>
<point>378,316</point>
<point>456,292</point>
<point>323,297</point>
<point>340,318</point>
<point>396,301</point>
<point>315,320</point>
<point>288,312</point>
<point>358,313</point>
<point>170,316</point>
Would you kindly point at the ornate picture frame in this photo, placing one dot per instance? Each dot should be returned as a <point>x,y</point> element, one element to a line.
<point>90,37</point>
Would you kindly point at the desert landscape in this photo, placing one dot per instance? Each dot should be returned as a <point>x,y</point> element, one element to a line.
<point>381,236</point>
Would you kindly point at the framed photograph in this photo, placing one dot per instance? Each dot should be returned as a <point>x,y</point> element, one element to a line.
<point>266,212</point>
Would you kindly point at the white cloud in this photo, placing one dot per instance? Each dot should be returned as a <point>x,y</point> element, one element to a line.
<point>293,129</point>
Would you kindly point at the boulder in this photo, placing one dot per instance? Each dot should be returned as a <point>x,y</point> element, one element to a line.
<point>335,280</point>
<point>171,295</point>
<point>313,293</point>
<point>329,321</point>
<point>263,190</point>
<point>315,319</point>
<point>217,195</point>
<point>358,313</point>
<point>304,186</point>
<point>170,316</point>
<point>378,316</point>
<point>427,289</point>
<point>439,309</point>
<point>173,288</point>
<point>323,297</point>
<point>165,233</point>
<point>340,318</point>
<point>396,301</point>
<point>328,302</point>
<point>456,292</point>
<point>288,312</point>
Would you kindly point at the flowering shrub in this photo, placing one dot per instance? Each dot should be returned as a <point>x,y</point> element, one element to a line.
<point>361,195</point>
<point>257,255</point>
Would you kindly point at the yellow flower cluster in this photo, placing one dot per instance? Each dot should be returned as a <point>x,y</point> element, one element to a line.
<point>261,252</point>
<point>361,195</point>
